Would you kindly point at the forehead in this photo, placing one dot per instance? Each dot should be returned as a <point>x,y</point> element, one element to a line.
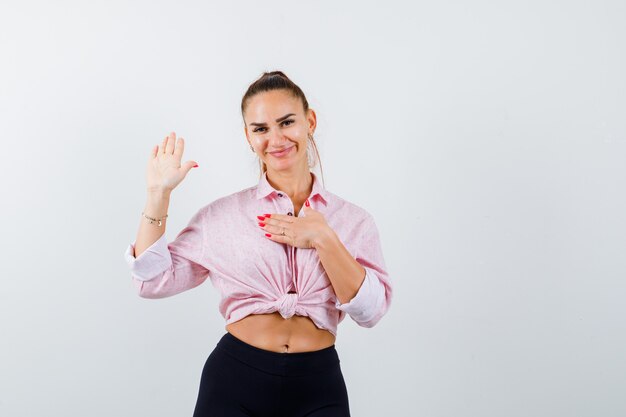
<point>271,105</point>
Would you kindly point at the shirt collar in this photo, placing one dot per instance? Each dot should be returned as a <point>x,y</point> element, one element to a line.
<point>264,188</point>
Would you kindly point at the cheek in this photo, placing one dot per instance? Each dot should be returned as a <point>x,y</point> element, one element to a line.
<point>301,132</point>
<point>258,143</point>
<point>300,136</point>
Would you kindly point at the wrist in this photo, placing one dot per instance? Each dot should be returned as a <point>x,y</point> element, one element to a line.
<point>159,194</point>
<point>325,239</point>
<point>157,204</point>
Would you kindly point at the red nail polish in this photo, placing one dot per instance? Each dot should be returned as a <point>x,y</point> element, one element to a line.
<point>261,224</point>
<point>267,215</point>
<point>306,202</point>
<point>268,235</point>
<point>260,217</point>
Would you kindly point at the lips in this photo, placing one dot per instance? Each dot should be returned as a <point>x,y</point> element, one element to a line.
<point>284,152</point>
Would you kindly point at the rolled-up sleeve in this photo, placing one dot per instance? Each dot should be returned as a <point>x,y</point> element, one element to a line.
<point>373,298</point>
<point>165,269</point>
<point>152,262</point>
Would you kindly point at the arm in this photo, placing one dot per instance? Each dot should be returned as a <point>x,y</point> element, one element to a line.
<point>157,205</point>
<point>362,284</point>
<point>163,269</point>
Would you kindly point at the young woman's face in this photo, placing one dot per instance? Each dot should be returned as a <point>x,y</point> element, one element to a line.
<point>278,129</point>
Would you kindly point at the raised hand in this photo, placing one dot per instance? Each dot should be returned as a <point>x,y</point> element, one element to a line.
<point>164,171</point>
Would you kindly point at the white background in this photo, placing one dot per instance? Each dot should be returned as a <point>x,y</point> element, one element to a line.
<point>486,138</point>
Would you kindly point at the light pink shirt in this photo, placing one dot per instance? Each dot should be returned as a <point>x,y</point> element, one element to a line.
<point>254,274</point>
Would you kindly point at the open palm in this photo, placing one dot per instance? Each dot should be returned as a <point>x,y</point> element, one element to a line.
<point>164,171</point>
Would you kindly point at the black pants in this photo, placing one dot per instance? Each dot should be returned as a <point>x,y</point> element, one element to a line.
<point>239,379</point>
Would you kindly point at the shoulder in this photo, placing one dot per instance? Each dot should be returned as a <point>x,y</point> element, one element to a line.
<point>349,211</point>
<point>227,203</point>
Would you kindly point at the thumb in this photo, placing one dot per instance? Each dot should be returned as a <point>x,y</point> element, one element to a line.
<point>188,165</point>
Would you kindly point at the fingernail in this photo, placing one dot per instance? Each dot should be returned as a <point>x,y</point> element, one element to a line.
<point>195,166</point>
<point>260,217</point>
<point>306,202</point>
<point>268,235</point>
<point>267,215</point>
<point>261,224</point>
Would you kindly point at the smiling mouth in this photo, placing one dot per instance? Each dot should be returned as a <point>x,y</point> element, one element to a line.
<point>282,152</point>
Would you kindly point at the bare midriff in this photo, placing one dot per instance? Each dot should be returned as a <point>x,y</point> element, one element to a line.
<point>274,333</point>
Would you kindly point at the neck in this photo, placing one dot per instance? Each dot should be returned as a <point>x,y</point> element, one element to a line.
<point>296,185</point>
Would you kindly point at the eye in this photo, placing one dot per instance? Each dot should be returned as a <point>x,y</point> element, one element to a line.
<point>284,121</point>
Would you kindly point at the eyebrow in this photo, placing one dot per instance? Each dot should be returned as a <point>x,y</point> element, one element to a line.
<point>280,119</point>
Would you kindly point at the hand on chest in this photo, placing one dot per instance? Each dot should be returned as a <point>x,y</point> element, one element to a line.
<point>238,250</point>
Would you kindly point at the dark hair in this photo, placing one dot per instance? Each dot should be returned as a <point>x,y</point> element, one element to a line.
<point>277,80</point>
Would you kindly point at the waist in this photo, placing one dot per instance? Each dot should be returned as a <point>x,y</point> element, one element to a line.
<point>286,364</point>
<point>274,333</point>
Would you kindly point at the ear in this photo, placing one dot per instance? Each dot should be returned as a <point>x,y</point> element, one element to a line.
<point>312,118</point>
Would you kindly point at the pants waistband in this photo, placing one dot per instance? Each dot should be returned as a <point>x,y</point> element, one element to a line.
<point>285,364</point>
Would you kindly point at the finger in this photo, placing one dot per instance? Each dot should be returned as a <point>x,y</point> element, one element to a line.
<point>271,228</point>
<point>179,148</point>
<point>280,219</point>
<point>277,222</point>
<point>277,238</point>
<point>154,151</point>
<point>171,140</point>
<point>188,165</point>
<point>162,148</point>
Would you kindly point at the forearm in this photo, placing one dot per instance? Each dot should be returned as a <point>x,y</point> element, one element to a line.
<point>344,272</point>
<point>156,206</point>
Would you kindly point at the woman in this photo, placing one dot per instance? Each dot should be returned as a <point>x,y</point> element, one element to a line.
<point>290,260</point>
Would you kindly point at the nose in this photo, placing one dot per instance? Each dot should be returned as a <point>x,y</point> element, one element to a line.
<point>277,140</point>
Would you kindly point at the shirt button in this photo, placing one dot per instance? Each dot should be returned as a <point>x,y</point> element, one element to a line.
<point>290,214</point>
<point>280,194</point>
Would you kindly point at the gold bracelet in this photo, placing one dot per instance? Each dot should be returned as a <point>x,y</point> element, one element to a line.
<point>152,219</point>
